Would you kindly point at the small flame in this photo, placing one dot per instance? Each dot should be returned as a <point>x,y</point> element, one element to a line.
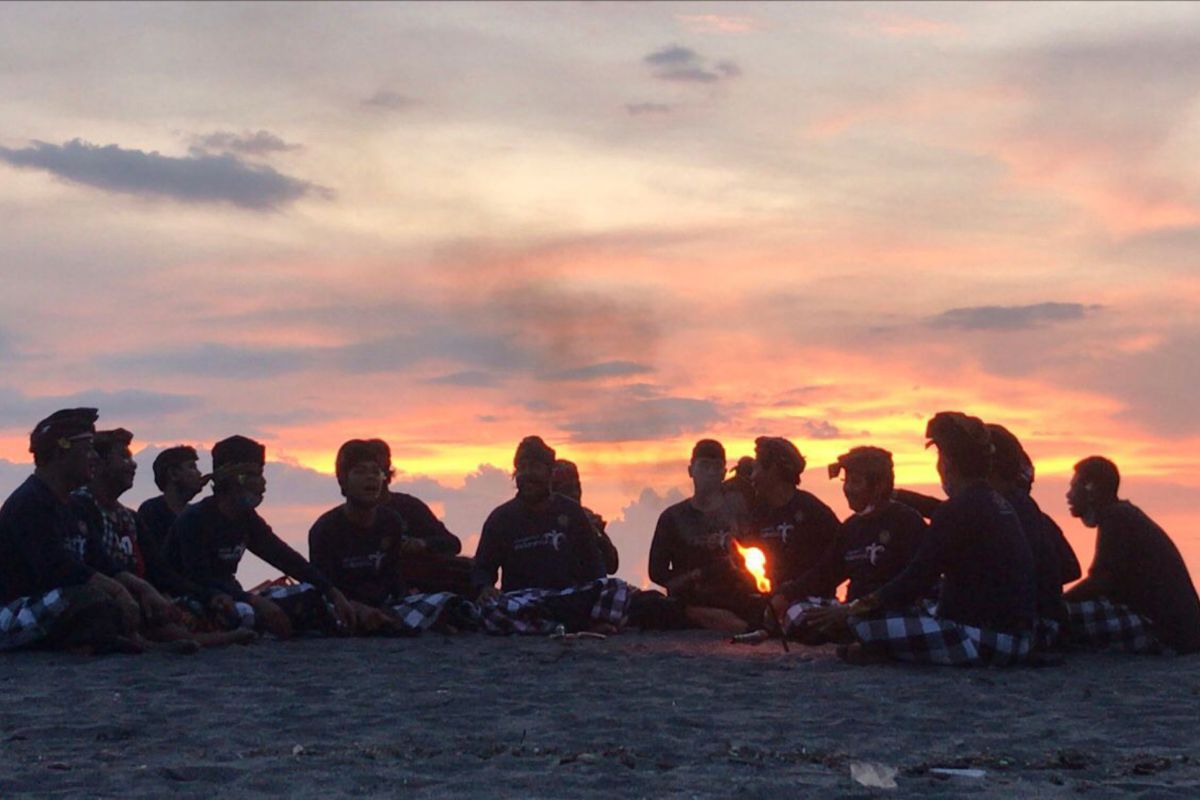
<point>756,564</point>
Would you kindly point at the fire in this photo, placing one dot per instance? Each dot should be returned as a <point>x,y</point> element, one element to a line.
<point>756,564</point>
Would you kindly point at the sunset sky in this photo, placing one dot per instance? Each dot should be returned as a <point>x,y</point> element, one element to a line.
<point>622,227</point>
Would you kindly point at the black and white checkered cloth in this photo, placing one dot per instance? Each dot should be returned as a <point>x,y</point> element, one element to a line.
<point>420,612</point>
<point>792,618</point>
<point>1107,625</point>
<point>918,636</point>
<point>27,620</point>
<point>1047,633</point>
<point>200,617</point>
<point>305,606</point>
<point>540,611</point>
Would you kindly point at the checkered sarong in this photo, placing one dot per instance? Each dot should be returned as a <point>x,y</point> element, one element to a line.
<point>1107,625</point>
<point>27,620</point>
<point>199,618</point>
<point>792,618</point>
<point>305,606</point>
<point>540,611</point>
<point>420,612</point>
<point>918,636</point>
<point>1047,633</point>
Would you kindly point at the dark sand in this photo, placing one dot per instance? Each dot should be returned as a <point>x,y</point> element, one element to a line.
<point>678,715</point>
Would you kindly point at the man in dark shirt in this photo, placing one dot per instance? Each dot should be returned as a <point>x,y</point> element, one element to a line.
<point>208,539</point>
<point>431,560</point>
<point>47,594</point>
<point>791,525</point>
<point>543,546</point>
<point>1138,595</point>
<point>177,476</point>
<point>565,481</point>
<point>986,608</point>
<point>873,545</point>
<point>691,554</point>
<point>1054,561</point>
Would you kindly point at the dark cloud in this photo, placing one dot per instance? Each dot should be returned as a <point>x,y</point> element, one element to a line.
<point>639,109</point>
<point>606,369</point>
<point>258,143</point>
<point>196,178</point>
<point>684,65</point>
<point>391,101</point>
<point>637,420</point>
<point>1011,317</point>
<point>1159,386</point>
<point>1175,248</point>
<point>211,360</point>
<point>470,377</point>
<point>820,429</point>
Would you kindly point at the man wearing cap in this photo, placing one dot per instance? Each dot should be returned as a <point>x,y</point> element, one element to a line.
<point>431,560</point>
<point>565,481</point>
<point>208,539</point>
<point>791,525</point>
<point>47,594</point>
<point>544,548</point>
<point>873,545</point>
<point>986,608</point>
<point>1137,596</point>
<point>1054,560</point>
<point>692,552</point>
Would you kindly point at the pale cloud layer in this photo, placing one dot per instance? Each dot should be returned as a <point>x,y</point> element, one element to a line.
<point>620,226</point>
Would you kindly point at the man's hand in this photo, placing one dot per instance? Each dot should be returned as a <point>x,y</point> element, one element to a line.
<point>487,595</point>
<point>271,618</point>
<point>829,620</point>
<point>368,619</point>
<point>780,605</point>
<point>681,582</point>
<point>342,610</point>
<point>411,546</point>
<point>131,613</point>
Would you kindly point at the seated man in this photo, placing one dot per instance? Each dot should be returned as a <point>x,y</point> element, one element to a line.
<point>986,608</point>
<point>1138,595</point>
<point>794,528</point>
<point>740,483</point>
<point>691,554</point>
<point>360,546</point>
<point>208,539</point>
<point>873,545</point>
<point>544,547</point>
<point>431,560</point>
<point>48,596</point>
<point>565,481</point>
<point>113,546</point>
<point>178,477</point>
<point>1054,561</point>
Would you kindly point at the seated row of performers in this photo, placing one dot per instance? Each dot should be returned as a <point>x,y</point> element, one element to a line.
<point>80,570</point>
<point>981,583</point>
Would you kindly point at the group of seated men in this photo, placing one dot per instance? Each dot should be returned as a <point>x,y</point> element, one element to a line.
<point>980,583</point>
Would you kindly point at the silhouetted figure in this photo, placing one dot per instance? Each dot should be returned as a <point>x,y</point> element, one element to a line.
<point>177,476</point>
<point>431,560</point>
<point>208,540</point>
<point>692,552</point>
<point>1054,560</point>
<point>793,527</point>
<point>565,481</point>
<point>741,482</point>
<point>1138,595</point>
<point>986,609</point>
<point>873,545</point>
<point>48,596</point>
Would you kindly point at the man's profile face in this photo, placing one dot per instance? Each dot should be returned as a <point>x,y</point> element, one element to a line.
<point>1079,501</point>
<point>364,483</point>
<point>188,478</point>
<point>253,485</point>
<point>707,473</point>
<point>118,469</point>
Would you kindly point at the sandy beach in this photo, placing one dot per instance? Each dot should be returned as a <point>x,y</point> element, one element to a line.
<point>637,715</point>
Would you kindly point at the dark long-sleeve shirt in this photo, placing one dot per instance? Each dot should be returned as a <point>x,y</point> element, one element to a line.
<point>420,522</point>
<point>37,553</point>
<point>795,536</point>
<point>155,519</point>
<point>364,562</point>
<point>871,549</point>
<point>205,546</point>
<point>687,539</point>
<point>552,548</point>
<point>976,543</point>
<point>1046,545</point>
<point>1144,570</point>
